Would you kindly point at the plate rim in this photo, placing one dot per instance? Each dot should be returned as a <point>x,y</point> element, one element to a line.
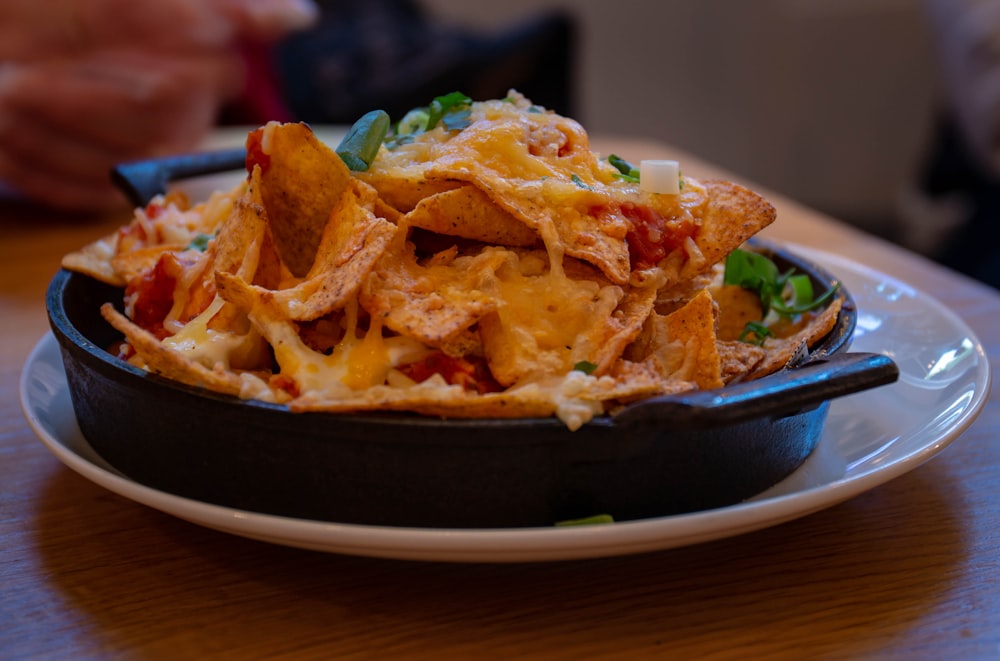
<point>517,544</point>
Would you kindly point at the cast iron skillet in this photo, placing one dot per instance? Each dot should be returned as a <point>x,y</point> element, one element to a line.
<point>660,456</point>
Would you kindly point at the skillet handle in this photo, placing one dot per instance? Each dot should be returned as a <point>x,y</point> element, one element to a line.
<point>780,394</point>
<point>143,180</point>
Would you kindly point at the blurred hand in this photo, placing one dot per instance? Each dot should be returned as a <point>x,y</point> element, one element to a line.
<point>120,80</point>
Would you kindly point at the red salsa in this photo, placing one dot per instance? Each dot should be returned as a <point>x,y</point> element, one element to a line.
<point>460,371</point>
<point>255,151</point>
<point>652,236</point>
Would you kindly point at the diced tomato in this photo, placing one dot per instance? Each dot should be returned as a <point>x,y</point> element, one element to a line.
<point>152,296</point>
<point>471,375</point>
<point>152,293</point>
<point>255,151</point>
<point>153,210</point>
<point>286,383</point>
<point>131,237</point>
<point>651,236</point>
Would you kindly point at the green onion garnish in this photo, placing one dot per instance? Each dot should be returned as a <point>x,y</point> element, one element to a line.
<point>456,104</point>
<point>587,520</point>
<point>361,144</point>
<point>626,170</point>
<point>755,333</point>
<point>200,242</point>
<point>787,294</point>
<point>575,178</point>
<point>451,111</point>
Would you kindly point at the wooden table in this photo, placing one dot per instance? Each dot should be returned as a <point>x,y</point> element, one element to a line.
<point>908,570</point>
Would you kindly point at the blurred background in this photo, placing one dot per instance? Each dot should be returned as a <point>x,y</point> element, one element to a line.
<point>830,102</point>
<point>842,105</point>
<point>838,104</point>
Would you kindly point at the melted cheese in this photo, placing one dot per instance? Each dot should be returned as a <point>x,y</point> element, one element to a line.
<point>356,363</point>
<point>547,319</point>
<point>210,347</point>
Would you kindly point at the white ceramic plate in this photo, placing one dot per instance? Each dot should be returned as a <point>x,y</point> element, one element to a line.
<point>869,439</point>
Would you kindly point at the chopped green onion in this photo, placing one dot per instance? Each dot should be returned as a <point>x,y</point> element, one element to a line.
<point>622,165</point>
<point>786,294</point>
<point>451,111</point>
<point>755,272</point>
<point>755,333</point>
<point>806,305</point>
<point>626,170</point>
<point>414,121</point>
<point>585,366</point>
<point>361,144</point>
<point>455,102</point>
<point>587,520</point>
<point>456,120</point>
<point>575,178</point>
<point>200,242</point>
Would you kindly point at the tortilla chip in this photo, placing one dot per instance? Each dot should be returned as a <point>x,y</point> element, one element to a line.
<point>435,302</point>
<point>737,307</point>
<point>622,327</point>
<point>546,322</point>
<point>731,215</point>
<point>130,265</point>
<point>161,360</point>
<point>682,344</point>
<point>553,195</point>
<point>581,398</point>
<point>466,212</point>
<point>303,181</point>
<point>738,359</point>
<point>780,350</point>
<point>238,242</point>
<point>403,188</point>
<point>352,242</point>
<point>94,260</point>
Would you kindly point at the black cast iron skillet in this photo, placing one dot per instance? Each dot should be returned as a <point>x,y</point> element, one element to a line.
<point>660,456</point>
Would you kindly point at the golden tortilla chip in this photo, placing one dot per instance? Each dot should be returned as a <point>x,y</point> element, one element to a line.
<point>682,344</point>
<point>547,179</point>
<point>301,181</point>
<point>159,359</point>
<point>94,260</point>
<point>580,398</point>
<point>731,215</point>
<point>738,359</point>
<point>780,350</point>
<point>466,212</point>
<point>622,327</point>
<point>403,187</point>
<point>546,322</point>
<point>352,242</point>
<point>434,302</point>
<point>238,244</point>
<point>130,265</point>
<point>737,307</point>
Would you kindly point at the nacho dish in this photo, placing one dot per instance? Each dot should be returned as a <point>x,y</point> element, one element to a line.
<point>475,259</point>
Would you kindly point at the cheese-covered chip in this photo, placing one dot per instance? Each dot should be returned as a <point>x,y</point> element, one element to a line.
<point>301,180</point>
<point>487,263</point>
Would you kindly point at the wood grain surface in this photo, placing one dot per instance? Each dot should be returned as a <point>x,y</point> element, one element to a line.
<point>908,570</point>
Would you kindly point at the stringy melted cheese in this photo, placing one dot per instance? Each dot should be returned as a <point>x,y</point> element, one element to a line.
<point>357,361</point>
<point>546,317</point>
<point>210,347</point>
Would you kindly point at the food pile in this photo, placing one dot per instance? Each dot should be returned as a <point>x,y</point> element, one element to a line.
<point>475,259</point>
